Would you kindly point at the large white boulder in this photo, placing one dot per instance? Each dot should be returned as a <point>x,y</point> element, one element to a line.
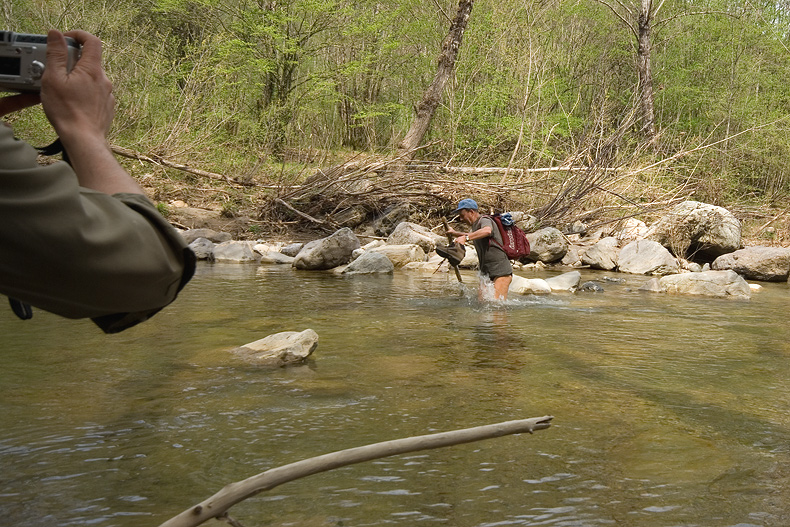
<point>529,286</point>
<point>646,257</point>
<point>547,245</point>
<point>400,255</point>
<point>770,264</point>
<point>329,252</point>
<point>698,231</point>
<point>603,255</point>
<point>407,233</point>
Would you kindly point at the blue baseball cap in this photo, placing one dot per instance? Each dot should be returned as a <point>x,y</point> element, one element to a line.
<point>467,204</point>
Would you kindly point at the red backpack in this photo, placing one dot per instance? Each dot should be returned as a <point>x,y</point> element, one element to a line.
<point>516,245</point>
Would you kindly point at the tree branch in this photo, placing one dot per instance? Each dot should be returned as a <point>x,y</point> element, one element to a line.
<point>627,23</point>
<point>218,504</point>
<point>125,152</point>
<point>682,153</point>
<point>693,13</point>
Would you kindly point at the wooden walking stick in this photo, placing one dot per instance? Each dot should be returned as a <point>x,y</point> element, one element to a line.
<point>450,240</point>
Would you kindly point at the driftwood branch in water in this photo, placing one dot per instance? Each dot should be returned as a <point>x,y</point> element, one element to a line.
<point>219,503</point>
<point>156,160</point>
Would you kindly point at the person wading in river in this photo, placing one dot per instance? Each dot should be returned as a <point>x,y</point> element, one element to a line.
<point>493,261</point>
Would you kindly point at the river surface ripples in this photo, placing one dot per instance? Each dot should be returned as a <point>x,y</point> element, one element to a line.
<point>668,410</point>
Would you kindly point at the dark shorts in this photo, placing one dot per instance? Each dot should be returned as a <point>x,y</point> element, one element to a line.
<point>495,264</point>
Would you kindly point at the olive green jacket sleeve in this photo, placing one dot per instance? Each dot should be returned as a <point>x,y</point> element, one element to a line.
<point>80,253</point>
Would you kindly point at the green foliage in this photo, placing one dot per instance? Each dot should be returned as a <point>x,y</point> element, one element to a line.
<point>213,82</point>
<point>163,209</point>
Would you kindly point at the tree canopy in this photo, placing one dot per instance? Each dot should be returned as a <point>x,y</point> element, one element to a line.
<point>237,83</point>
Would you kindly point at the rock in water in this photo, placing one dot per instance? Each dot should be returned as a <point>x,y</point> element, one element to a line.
<point>280,349</point>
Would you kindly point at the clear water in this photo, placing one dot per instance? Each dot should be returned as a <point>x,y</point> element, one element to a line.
<point>669,411</point>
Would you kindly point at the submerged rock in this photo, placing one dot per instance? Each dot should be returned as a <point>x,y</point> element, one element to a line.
<point>591,287</point>
<point>280,349</point>
<point>708,283</point>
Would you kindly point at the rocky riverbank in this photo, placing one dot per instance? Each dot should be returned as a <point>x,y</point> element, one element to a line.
<point>695,248</point>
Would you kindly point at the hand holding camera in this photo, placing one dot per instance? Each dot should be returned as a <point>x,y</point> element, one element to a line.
<point>75,93</point>
<point>23,60</point>
<point>77,98</point>
<point>78,101</point>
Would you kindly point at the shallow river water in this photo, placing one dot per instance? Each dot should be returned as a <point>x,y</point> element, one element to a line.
<point>668,411</point>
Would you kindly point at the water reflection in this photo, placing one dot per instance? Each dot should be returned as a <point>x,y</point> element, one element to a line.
<point>668,410</point>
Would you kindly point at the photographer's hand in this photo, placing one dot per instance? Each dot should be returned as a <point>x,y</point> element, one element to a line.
<point>80,105</point>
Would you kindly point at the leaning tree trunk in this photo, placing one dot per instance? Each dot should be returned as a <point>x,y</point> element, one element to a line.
<point>8,13</point>
<point>433,94</point>
<point>644,70</point>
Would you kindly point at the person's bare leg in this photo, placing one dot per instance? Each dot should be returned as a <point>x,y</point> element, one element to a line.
<point>501,285</point>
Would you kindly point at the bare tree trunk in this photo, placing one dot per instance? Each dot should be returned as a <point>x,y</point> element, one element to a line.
<point>433,94</point>
<point>8,14</point>
<point>644,70</point>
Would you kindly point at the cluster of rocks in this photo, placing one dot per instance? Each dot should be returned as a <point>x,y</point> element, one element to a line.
<point>694,249</point>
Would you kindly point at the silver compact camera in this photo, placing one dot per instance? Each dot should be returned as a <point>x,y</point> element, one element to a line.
<point>23,59</point>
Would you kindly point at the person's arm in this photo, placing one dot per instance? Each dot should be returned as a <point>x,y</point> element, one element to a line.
<point>482,232</point>
<point>117,260</point>
<point>14,103</point>
<point>463,237</point>
<point>80,105</point>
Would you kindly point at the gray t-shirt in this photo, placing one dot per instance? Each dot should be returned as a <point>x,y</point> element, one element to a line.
<point>493,260</point>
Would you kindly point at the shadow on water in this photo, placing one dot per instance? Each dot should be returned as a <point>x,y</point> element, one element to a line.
<point>668,411</point>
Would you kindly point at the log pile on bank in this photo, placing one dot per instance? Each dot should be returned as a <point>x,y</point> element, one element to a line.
<point>382,192</point>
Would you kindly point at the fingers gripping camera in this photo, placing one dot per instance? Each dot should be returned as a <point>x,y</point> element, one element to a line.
<point>23,59</point>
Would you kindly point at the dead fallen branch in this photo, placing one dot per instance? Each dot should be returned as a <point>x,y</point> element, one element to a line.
<point>157,160</point>
<point>484,171</point>
<point>218,504</point>
<point>303,215</point>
